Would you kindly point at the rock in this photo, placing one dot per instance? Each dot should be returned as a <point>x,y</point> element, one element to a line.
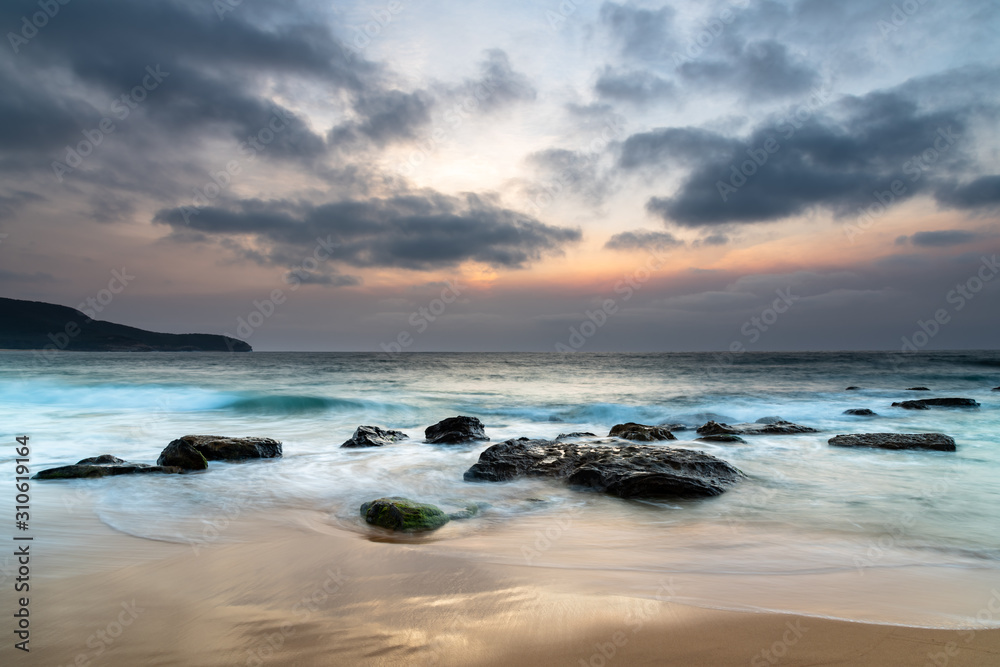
<point>104,466</point>
<point>861,412</point>
<point>103,458</point>
<point>931,441</point>
<point>776,428</point>
<point>674,427</point>
<point>403,514</point>
<point>471,510</point>
<point>575,435</point>
<point>996,389</point>
<point>917,389</point>
<point>221,448</point>
<point>640,432</point>
<point>852,388</point>
<point>627,471</point>
<point>721,437</point>
<point>771,420</point>
<point>182,454</point>
<point>455,430</point>
<point>925,403</point>
<point>373,436</point>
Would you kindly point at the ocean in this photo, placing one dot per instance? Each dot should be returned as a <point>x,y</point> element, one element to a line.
<point>909,538</point>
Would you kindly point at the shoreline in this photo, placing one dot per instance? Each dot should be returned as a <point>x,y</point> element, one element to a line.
<point>287,593</point>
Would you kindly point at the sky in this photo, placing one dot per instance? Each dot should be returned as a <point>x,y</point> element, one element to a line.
<point>571,176</point>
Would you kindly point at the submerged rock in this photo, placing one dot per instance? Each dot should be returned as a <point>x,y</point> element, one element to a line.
<point>104,465</point>
<point>931,441</point>
<point>182,454</point>
<point>403,514</point>
<point>575,435</point>
<point>221,448</point>
<point>852,388</point>
<point>627,471</point>
<point>996,389</point>
<point>455,430</point>
<point>926,403</point>
<point>774,428</point>
<point>640,432</point>
<point>721,437</point>
<point>917,389</point>
<point>861,412</point>
<point>373,436</point>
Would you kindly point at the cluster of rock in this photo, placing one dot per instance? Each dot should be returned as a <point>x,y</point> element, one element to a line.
<point>188,453</point>
<point>603,465</point>
<point>626,471</point>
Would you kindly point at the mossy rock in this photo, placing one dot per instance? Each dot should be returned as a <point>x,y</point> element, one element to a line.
<point>403,514</point>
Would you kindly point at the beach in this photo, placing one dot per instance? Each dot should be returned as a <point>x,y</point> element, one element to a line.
<point>279,592</point>
<point>813,555</point>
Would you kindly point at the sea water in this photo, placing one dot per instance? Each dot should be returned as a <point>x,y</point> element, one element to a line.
<point>888,536</point>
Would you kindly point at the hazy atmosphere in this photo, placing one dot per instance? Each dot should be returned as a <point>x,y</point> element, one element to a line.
<point>508,176</point>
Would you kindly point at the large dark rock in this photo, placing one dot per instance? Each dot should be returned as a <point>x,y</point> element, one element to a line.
<point>373,436</point>
<point>627,471</point>
<point>182,454</point>
<point>852,388</point>
<point>926,403</point>
<point>640,432</point>
<point>221,448</point>
<point>861,412</point>
<point>104,465</point>
<point>722,437</point>
<point>773,428</point>
<point>917,389</point>
<point>455,430</point>
<point>403,514</point>
<point>932,441</point>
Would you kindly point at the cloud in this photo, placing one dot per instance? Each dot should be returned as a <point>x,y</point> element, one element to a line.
<point>498,85</point>
<point>761,70</point>
<point>675,145</point>
<point>981,192</point>
<point>635,86</point>
<point>303,277</point>
<point>420,230</point>
<point>640,33</point>
<point>641,239</point>
<point>835,158</point>
<point>942,239</point>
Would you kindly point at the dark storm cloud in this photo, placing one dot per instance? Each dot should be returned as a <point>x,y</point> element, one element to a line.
<point>942,238</point>
<point>840,158</point>
<point>636,86</point>
<point>215,79</point>
<point>982,192</point>
<point>641,33</point>
<point>420,231</point>
<point>641,239</point>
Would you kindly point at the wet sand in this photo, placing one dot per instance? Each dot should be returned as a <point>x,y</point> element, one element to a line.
<point>282,592</point>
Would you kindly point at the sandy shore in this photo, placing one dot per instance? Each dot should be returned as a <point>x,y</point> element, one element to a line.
<point>289,594</point>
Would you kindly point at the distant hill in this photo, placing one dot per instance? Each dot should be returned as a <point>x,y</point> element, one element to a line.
<point>34,325</point>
